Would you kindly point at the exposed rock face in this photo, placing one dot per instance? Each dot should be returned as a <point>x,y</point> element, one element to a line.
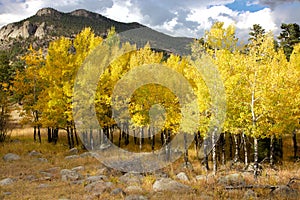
<point>26,30</point>
<point>81,13</point>
<point>48,12</point>
<point>41,31</point>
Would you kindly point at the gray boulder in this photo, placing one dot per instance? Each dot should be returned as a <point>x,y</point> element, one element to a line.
<point>77,169</point>
<point>11,157</point>
<point>7,181</point>
<point>131,179</point>
<point>34,153</point>
<point>97,188</point>
<point>117,191</point>
<point>232,179</point>
<point>167,184</point>
<point>73,151</point>
<point>72,157</point>
<point>182,176</point>
<point>92,179</point>
<point>69,175</point>
<point>133,189</point>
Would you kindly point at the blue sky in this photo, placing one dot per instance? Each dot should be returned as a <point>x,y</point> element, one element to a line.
<point>175,17</point>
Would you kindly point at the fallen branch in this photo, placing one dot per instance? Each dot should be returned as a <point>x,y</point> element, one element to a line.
<point>239,187</point>
<point>271,187</point>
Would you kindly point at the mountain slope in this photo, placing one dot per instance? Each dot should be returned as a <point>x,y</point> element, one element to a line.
<point>49,24</point>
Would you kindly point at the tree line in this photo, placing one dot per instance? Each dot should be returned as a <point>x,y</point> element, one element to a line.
<point>261,81</point>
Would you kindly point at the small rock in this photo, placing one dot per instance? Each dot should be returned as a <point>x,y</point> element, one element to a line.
<point>73,151</point>
<point>201,178</point>
<point>232,179</point>
<point>117,191</point>
<point>72,157</point>
<point>136,197</point>
<point>11,157</point>
<point>97,188</point>
<point>43,160</point>
<point>167,184</point>
<point>182,176</point>
<point>86,154</point>
<point>133,189</point>
<point>131,179</point>
<point>77,169</point>
<point>92,179</point>
<point>46,174</point>
<point>7,193</point>
<point>6,181</point>
<point>78,182</point>
<point>69,175</point>
<point>30,178</point>
<point>34,153</point>
<point>41,186</point>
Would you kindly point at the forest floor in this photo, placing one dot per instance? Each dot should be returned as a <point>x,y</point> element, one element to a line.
<point>47,171</point>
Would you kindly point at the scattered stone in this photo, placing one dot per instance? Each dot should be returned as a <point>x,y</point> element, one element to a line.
<point>136,197</point>
<point>7,181</point>
<point>97,188</point>
<point>43,160</point>
<point>117,191</point>
<point>72,157</point>
<point>69,175</point>
<point>34,153</point>
<point>232,179</point>
<point>7,193</point>
<point>46,174</point>
<point>167,184</point>
<point>133,189</point>
<point>92,179</point>
<point>131,179</point>
<point>42,186</point>
<point>78,182</point>
<point>250,194</point>
<point>30,178</point>
<point>73,151</point>
<point>79,168</point>
<point>11,157</point>
<point>182,176</point>
<point>201,178</point>
<point>284,191</point>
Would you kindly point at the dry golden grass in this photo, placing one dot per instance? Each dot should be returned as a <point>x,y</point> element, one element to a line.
<point>57,189</point>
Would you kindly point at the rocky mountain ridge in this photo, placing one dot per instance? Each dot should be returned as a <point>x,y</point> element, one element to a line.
<point>49,22</point>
